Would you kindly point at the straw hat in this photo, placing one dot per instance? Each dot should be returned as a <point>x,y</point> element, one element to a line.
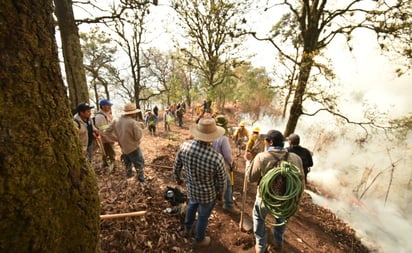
<point>206,130</point>
<point>130,109</point>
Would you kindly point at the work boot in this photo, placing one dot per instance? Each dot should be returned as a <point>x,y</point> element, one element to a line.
<point>189,232</point>
<point>231,209</point>
<point>140,177</point>
<point>204,243</point>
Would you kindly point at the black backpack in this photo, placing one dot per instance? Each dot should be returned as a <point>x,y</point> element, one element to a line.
<point>175,196</point>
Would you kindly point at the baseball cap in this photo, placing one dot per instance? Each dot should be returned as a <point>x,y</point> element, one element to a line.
<point>84,107</point>
<point>276,137</point>
<point>105,102</point>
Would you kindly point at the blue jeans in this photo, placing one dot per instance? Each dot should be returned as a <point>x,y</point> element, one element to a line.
<point>152,129</point>
<point>203,214</point>
<point>259,229</point>
<point>228,196</point>
<point>134,158</point>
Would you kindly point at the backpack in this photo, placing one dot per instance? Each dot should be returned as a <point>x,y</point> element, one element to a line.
<point>175,196</point>
<point>94,117</point>
<point>281,189</point>
<point>78,123</point>
<point>258,146</point>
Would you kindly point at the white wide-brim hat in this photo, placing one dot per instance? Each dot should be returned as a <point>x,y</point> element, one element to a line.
<point>130,109</point>
<point>206,130</point>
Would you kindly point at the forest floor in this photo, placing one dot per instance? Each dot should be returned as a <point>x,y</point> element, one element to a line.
<point>312,229</point>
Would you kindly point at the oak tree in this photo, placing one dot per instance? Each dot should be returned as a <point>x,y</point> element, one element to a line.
<point>211,31</point>
<point>72,53</point>
<point>48,193</point>
<point>312,26</point>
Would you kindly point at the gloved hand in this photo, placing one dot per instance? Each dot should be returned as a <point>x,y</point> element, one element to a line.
<point>179,181</point>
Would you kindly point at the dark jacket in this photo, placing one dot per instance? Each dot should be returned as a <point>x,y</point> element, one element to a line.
<point>304,154</point>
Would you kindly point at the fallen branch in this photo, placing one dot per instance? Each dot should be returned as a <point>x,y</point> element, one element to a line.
<point>121,215</point>
<point>160,166</point>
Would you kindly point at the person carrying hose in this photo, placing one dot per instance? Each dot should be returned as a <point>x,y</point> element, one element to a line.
<point>280,178</point>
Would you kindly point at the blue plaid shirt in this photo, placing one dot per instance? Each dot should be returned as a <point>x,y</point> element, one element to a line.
<point>204,168</point>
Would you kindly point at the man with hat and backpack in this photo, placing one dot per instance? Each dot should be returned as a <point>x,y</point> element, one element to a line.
<point>205,177</point>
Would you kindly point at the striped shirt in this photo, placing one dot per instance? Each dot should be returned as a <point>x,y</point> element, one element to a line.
<point>204,168</point>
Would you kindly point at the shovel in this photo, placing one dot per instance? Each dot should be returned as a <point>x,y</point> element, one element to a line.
<point>245,223</point>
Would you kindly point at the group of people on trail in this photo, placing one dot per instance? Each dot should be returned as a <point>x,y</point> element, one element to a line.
<point>208,162</point>
<point>125,130</point>
<point>172,113</point>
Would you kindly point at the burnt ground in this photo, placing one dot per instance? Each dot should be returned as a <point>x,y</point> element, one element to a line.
<point>311,229</point>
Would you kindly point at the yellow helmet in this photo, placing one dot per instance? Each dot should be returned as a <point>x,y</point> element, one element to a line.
<point>242,124</point>
<point>256,129</point>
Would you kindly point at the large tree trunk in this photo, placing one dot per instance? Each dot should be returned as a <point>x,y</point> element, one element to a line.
<point>296,108</point>
<point>48,193</point>
<point>72,53</point>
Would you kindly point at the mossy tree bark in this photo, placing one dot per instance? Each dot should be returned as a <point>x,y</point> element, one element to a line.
<point>296,110</point>
<point>48,193</point>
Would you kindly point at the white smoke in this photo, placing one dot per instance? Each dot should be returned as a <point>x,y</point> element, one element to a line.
<point>367,184</point>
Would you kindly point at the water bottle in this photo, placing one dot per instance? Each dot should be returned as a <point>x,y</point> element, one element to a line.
<point>170,194</point>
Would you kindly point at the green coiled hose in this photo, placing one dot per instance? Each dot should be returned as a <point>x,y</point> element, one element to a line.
<point>286,205</point>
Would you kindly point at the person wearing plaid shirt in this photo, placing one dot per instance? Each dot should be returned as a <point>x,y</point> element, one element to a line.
<point>205,177</point>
